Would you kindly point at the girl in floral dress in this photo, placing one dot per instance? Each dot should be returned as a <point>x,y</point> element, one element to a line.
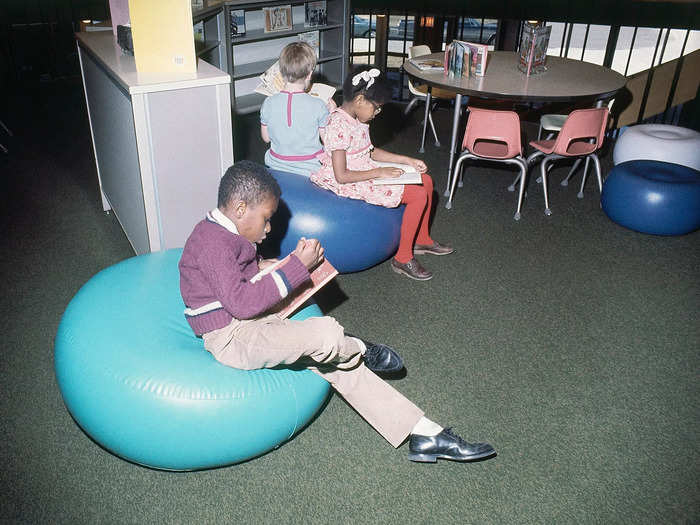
<point>348,168</point>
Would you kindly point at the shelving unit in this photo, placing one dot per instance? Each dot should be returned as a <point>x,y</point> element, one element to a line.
<point>213,49</point>
<point>254,52</point>
<point>247,56</point>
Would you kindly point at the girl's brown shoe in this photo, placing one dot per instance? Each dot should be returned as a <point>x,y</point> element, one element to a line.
<point>433,249</point>
<point>412,269</point>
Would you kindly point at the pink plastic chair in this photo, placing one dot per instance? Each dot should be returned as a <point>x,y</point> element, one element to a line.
<point>580,136</point>
<point>492,135</point>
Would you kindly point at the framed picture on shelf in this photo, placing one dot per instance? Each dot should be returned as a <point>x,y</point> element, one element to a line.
<point>277,18</point>
<point>315,13</point>
<point>237,22</point>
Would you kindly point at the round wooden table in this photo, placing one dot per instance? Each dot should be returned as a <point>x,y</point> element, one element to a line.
<point>565,80</point>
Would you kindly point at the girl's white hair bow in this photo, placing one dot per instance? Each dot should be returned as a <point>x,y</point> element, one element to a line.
<point>367,75</point>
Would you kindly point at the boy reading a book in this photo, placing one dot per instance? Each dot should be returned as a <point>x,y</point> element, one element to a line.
<point>290,120</point>
<point>235,317</point>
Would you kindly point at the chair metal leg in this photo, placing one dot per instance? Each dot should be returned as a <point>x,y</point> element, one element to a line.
<point>7,130</point>
<point>596,165</point>
<point>543,174</point>
<point>521,194</point>
<point>573,169</point>
<point>411,105</point>
<point>530,159</point>
<point>583,179</point>
<point>425,121</point>
<point>515,181</point>
<point>455,176</point>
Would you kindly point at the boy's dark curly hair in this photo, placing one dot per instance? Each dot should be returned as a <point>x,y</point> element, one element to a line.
<point>247,181</point>
<point>378,92</point>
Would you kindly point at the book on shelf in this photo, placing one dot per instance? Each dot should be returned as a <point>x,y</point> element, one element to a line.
<point>465,59</point>
<point>237,22</point>
<point>427,64</point>
<point>271,83</point>
<point>320,276</point>
<point>533,48</point>
<point>198,30</point>
<point>277,18</point>
<point>313,39</point>
<point>409,175</point>
<point>315,13</point>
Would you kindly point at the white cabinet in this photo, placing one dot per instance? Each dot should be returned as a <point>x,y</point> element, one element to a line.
<point>161,141</point>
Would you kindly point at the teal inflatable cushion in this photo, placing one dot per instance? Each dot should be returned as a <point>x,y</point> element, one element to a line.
<point>141,384</point>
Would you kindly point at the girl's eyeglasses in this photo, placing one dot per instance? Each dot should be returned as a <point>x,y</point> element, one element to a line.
<point>377,108</point>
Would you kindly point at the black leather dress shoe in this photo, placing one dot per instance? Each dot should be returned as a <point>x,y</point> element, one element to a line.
<point>446,445</point>
<point>381,358</point>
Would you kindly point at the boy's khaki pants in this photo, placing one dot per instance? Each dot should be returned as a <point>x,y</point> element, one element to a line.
<point>270,341</point>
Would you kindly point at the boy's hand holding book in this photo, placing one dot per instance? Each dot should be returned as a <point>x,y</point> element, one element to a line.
<point>309,252</point>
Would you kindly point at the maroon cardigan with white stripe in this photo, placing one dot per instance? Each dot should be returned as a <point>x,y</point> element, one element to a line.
<point>215,271</point>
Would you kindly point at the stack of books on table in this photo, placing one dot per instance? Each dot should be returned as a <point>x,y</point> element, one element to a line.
<point>465,59</point>
<point>427,64</point>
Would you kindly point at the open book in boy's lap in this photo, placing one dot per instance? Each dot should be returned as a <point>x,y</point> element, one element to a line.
<point>320,276</point>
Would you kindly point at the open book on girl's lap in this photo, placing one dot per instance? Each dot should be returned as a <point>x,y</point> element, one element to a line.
<point>409,175</point>
<point>320,276</point>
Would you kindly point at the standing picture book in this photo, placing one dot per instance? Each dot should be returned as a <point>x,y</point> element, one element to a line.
<point>409,176</point>
<point>533,48</point>
<point>465,59</point>
<point>315,13</point>
<point>457,60</point>
<point>277,18</point>
<point>237,22</point>
<point>320,276</point>
<point>271,83</point>
<point>313,39</point>
<point>479,58</point>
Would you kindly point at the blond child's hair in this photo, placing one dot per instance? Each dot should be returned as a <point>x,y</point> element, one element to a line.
<point>297,60</point>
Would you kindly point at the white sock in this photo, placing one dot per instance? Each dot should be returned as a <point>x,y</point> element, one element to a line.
<point>360,343</point>
<point>425,427</point>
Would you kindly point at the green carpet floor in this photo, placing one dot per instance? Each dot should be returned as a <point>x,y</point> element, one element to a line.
<point>568,342</point>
